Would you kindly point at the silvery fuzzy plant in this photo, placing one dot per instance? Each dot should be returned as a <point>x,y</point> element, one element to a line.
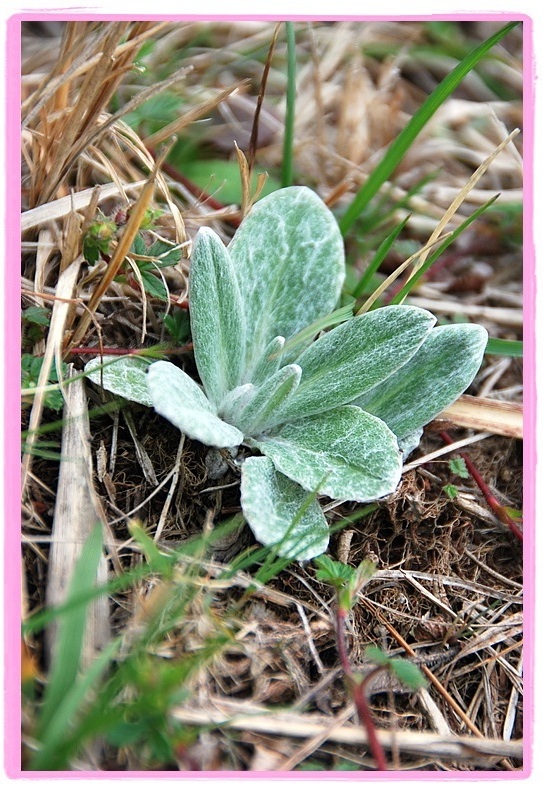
<point>327,416</point>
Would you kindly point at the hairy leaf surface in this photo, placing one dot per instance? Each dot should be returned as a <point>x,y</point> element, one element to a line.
<point>280,512</point>
<point>181,401</point>
<point>354,453</point>
<point>289,260</point>
<point>216,315</point>
<point>259,412</point>
<point>354,357</point>
<point>124,376</point>
<point>440,371</point>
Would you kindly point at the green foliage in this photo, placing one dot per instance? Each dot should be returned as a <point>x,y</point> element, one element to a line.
<point>177,324</point>
<point>405,671</point>
<point>30,372</point>
<point>99,238</point>
<point>345,579</point>
<point>458,467</point>
<point>450,490</point>
<point>326,413</point>
<point>34,322</point>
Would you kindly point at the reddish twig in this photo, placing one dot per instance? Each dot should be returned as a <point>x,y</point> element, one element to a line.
<point>358,691</point>
<point>499,510</point>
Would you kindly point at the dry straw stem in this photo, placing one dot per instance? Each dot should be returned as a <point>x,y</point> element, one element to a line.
<point>227,715</point>
<point>77,510</point>
<point>462,195</point>
<point>438,234</point>
<point>59,318</point>
<point>57,209</point>
<point>486,414</point>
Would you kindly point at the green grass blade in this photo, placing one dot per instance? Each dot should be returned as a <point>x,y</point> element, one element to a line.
<point>382,251</point>
<point>404,140</point>
<point>71,631</point>
<point>287,169</point>
<point>499,347</point>
<point>51,756</point>
<point>404,291</point>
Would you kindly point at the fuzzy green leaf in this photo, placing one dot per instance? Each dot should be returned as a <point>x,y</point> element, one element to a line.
<point>354,357</point>
<point>443,367</point>
<point>344,453</point>
<point>290,264</point>
<point>216,315</point>
<point>259,414</point>
<point>124,376</point>
<point>181,401</point>
<point>280,513</point>
<point>270,361</point>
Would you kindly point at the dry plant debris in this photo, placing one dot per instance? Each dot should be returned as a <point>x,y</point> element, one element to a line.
<point>449,574</point>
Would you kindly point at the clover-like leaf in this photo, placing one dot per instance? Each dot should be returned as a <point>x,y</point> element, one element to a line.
<point>181,401</point>
<point>290,263</point>
<point>281,513</point>
<point>216,316</point>
<point>354,357</point>
<point>124,376</point>
<point>344,453</point>
<point>440,371</point>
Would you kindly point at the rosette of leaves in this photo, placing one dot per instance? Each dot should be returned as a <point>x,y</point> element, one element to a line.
<point>326,413</point>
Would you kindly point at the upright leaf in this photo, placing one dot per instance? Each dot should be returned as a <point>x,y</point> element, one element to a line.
<point>270,361</point>
<point>290,264</point>
<point>354,357</point>
<point>181,401</point>
<point>440,371</point>
<point>280,513</point>
<point>259,412</point>
<point>344,453</point>
<point>216,316</point>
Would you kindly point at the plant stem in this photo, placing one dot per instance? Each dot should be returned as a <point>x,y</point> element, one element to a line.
<point>358,690</point>
<point>493,503</point>
<point>288,142</point>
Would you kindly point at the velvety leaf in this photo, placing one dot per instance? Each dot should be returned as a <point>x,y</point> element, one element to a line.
<point>259,412</point>
<point>124,376</point>
<point>235,401</point>
<point>344,453</point>
<point>270,361</point>
<point>289,260</point>
<point>354,357</point>
<point>216,315</point>
<point>280,512</point>
<point>443,367</point>
<point>181,401</point>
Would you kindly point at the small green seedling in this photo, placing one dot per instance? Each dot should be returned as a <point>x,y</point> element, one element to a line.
<point>331,413</point>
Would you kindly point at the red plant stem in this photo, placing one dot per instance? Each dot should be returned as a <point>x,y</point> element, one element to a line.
<point>123,352</point>
<point>358,693</point>
<point>493,503</point>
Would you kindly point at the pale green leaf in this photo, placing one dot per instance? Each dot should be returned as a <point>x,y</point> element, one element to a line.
<point>443,367</point>
<point>181,401</point>
<point>270,361</point>
<point>124,376</point>
<point>344,453</point>
<point>259,412</point>
<point>216,316</point>
<point>289,260</point>
<point>280,513</point>
<point>354,357</point>
<point>235,401</point>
